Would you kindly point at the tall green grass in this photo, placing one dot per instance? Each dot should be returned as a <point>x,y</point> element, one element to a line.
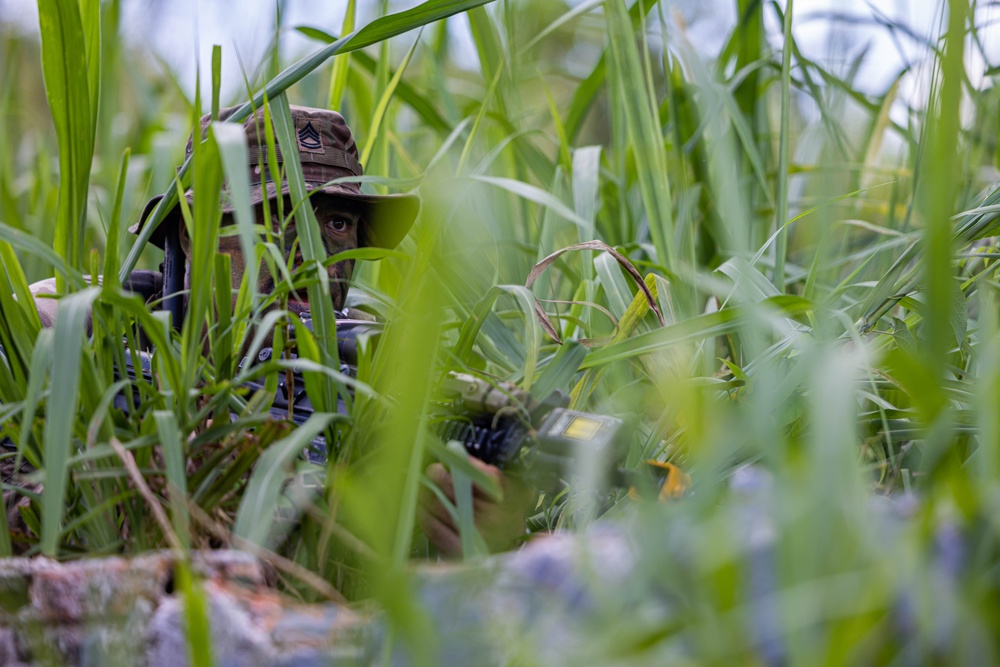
<point>825,284</point>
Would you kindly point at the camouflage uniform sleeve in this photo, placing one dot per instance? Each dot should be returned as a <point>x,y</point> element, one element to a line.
<point>46,306</point>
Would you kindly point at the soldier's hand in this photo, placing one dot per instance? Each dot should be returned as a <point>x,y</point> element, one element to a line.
<point>499,523</point>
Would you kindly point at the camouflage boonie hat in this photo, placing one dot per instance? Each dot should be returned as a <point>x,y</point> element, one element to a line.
<point>327,152</point>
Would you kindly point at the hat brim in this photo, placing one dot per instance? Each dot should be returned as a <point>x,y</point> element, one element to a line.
<point>388,218</point>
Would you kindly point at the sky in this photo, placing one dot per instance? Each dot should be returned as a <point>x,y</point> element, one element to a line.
<point>182,32</point>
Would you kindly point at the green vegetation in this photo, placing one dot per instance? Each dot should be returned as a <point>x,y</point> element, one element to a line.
<point>822,257</point>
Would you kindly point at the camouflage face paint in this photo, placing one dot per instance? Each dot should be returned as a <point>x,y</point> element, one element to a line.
<point>340,222</point>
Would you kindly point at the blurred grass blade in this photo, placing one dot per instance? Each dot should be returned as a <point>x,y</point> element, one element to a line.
<point>988,370</point>
<point>560,370</point>
<point>20,322</point>
<point>643,130</point>
<point>749,284</point>
<point>234,154</point>
<point>471,328</point>
<point>587,90</point>
<point>27,243</point>
<point>67,77</point>
<point>110,280</point>
<point>203,228</point>
<point>474,131</point>
<point>216,80</point>
<point>383,103</point>
<point>586,188</point>
<point>938,175</point>
<point>417,99</point>
<point>14,275</point>
<point>70,328</point>
<point>41,365</point>
<point>534,194</point>
<point>629,322</point>
<point>260,501</point>
<point>197,623</point>
<point>313,255</point>
<point>576,11</point>
<point>781,189</point>
<point>615,288</point>
<point>488,44</point>
<point>173,451</point>
<point>696,328</point>
<point>342,64</point>
<point>472,542</point>
<point>410,19</point>
<point>623,261</point>
<point>90,19</point>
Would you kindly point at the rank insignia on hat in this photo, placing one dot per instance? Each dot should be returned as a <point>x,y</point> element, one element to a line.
<point>309,138</point>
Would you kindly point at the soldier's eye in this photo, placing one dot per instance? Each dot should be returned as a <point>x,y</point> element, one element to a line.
<point>339,224</point>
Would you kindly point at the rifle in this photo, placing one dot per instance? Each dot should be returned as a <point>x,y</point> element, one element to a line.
<point>497,423</point>
<point>506,426</point>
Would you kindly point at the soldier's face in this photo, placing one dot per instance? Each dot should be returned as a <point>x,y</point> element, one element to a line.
<point>338,221</point>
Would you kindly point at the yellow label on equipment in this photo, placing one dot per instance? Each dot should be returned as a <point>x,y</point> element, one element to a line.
<point>582,428</point>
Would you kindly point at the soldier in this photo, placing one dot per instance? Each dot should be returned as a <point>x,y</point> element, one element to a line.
<point>348,219</point>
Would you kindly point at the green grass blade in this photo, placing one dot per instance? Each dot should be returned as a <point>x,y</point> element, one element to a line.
<point>203,230</point>
<point>534,194</point>
<point>939,171</point>
<point>988,367</point>
<point>197,622</point>
<point>21,322</point>
<point>559,372</point>
<point>383,103</point>
<point>260,501</point>
<point>781,189</point>
<point>412,96</point>
<point>586,188</point>
<point>342,64</point>
<point>90,18</point>
<point>642,126</point>
<point>693,329</point>
<point>234,154</point>
<point>64,61</point>
<point>615,287</point>
<point>586,92</point>
<point>111,259</point>
<point>63,399</point>
<point>474,131</point>
<point>313,253</point>
<point>216,79</point>
<point>411,19</point>
<point>573,13</point>
<point>173,451</point>
<point>41,363</point>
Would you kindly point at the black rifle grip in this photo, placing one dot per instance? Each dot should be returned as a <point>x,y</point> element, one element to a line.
<point>173,277</point>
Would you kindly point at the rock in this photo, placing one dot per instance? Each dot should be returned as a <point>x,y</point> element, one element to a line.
<point>118,611</point>
<point>235,640</point>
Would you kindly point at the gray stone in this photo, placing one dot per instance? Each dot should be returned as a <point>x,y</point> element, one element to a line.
<point>8,647</point>
<point>117,611</point>
<point>235,640</point>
